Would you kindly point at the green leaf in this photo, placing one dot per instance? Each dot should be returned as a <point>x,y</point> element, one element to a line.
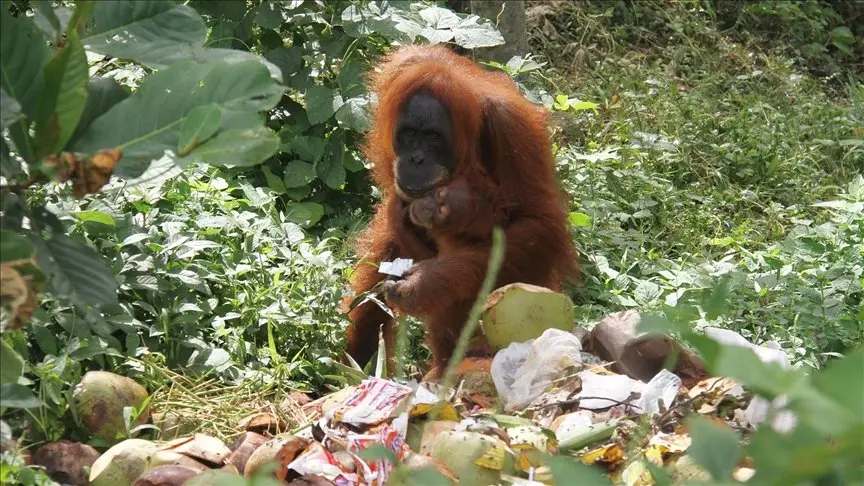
<point>10,110</point>
<point>377,451</point>
<point>273,182</point>
<point>566,470</point>
<point>425,476</point>
<point>350,79</point>
<point>321,104</point>
<point>23,52</point>
<point>647,292</point>
<point>843,381</point>
<point>13,395</point>
<point>842,34</point>
<point>288,59</point>
<point>802,454</point>
<point>298,173</point>
<point>62,101</point>
<point>579,219</point>
<point>164,99</point>
<point>5,433</point>
<point>715,448</point>
<point>439,18</point>
<point>80,272</point>
<point>10,167</point>
<point>144,29</point>
<point>331,169</point>
<point>199,125</point>
<point>11,363</point>
<point>81,14</point>
<point>45,339</point>
<point>224,9</point>
<point>354,114</point>
<point>309,149</point>
<point>94,217</point>
<point>298,193</point>
<point>471,34</point>
<point>159,34</point>
<point>14,247</point>
<point>577,105</point>
<point>742,364</point>
<point>237,148</point>
<point>102,94</point>
<point>269,15</point>
<point>716,303</point>
<point>352,162</point>
<point>47,20</point>
<point>305,214</point>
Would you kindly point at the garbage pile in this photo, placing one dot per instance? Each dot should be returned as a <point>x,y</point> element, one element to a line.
<point>601,398</point>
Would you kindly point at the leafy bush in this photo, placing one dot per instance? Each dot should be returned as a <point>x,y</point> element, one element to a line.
<point>329,47</point>
<point>200,270</point>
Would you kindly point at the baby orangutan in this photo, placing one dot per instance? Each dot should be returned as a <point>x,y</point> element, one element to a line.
<point>455,216</point>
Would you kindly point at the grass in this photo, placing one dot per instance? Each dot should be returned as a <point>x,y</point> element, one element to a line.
<point>711,146</point>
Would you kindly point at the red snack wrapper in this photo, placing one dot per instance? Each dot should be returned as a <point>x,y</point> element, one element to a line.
<point>373,402</point>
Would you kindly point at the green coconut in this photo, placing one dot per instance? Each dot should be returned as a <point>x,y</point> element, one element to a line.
<point>518,312</point>
<point>100,398</point>
<point>122,463</point>
<point>459,453</point>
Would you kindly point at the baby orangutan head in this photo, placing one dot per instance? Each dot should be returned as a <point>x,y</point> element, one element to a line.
<point>453,207</point>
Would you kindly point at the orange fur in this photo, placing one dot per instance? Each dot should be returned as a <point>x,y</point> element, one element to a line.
<point>502,147</point>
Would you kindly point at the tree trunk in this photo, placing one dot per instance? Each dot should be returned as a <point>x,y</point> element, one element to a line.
<point>508,16</point>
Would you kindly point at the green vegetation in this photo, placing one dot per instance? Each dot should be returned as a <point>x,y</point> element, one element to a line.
<point>699,143</point>
<point>715,150</point>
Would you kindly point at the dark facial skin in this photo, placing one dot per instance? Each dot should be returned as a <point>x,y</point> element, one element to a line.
<point>423,142</point>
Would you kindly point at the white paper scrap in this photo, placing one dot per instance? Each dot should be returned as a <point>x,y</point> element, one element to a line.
<point>397,267</point>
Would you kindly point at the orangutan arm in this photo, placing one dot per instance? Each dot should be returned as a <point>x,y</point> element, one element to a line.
<point>441,283</point>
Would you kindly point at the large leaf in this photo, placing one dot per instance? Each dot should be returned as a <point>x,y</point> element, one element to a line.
<point>715,447</point>
<point>331,168</point>
<point>308,148</point>
<point>321,103</point>
<point>143,29</point>
<point>79,272</point>
<point>44,13</point>
<point>10,167</point>
<point>147,125</point>
<point>11,364</point>
<point>158,34</point>
<point>288,59</point>
<point>102,94</point>
<point>236,147</point>
<point>62,101</point>
<point>13,395</point>
<point>14,247</point>
<point>843,381</point>
<point>299,173</point>
<point>23,52</point>
<point>354,114</point>
<point>471,34</point>
<point>199,125</point>
<point>304,214</point>
<point>10,110</point>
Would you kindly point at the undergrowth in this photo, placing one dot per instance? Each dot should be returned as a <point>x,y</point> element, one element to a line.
<point>709,152</point>
<point>697,140</point>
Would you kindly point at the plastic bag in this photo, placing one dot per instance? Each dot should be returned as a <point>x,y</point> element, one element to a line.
<point>523,371</point>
